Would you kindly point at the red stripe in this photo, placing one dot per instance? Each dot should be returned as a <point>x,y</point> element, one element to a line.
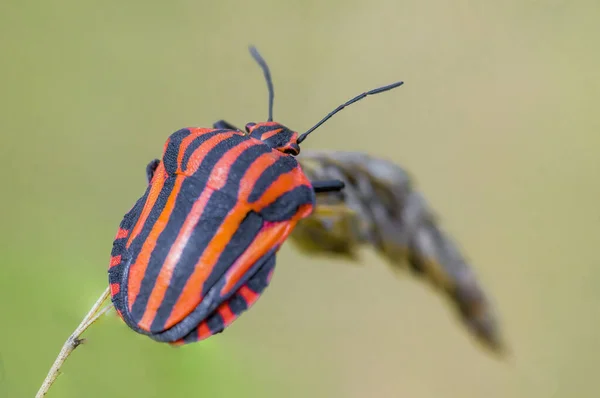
<point>249,295</point>
<point>270,134</point>
<point>115,288</point>
<point>203,331</point>
<point>122,233</point>
<point>225,311</point>
<point>138,269</point>
<point>157,185</point>
<point>115,260</point>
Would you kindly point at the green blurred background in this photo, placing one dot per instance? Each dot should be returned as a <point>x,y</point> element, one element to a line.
<point>498,122</point>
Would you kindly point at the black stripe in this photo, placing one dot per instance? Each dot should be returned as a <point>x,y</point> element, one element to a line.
<point>286,205</point>
<point>215,323</point>
<point>280,139</point>
<point>172,151</point>
<point>283,165</point>
<point>237,303</point>
<point>259,282</point>
<point>191,337</point>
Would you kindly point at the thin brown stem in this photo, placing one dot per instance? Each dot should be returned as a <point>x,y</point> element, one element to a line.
<point>74,341</point>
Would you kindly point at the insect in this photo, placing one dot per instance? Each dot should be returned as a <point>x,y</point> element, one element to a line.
<point>198,248</point>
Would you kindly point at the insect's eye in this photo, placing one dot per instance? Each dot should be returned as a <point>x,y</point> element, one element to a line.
<point>292,149</point>
<point>249,126</point>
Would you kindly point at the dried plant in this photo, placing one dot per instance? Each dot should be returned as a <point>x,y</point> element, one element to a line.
<point>74,341</point>
<point>380,208</point>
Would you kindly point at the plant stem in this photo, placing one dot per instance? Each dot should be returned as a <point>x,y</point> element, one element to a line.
<point>74,341</point>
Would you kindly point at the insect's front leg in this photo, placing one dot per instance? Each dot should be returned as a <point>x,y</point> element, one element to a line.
<point>222,124</point>
<point>328,185</point>
<point>329,209</point>
<point>151,168</point>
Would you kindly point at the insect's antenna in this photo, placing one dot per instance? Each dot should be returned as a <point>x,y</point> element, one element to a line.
<point>265,68</point>
<point>353,100</point>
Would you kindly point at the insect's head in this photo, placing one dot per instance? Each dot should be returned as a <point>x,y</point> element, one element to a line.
<point>275,135</point>
<point>279,137</point>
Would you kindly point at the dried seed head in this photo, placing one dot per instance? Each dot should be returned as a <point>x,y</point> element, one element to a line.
<point>379,208</point>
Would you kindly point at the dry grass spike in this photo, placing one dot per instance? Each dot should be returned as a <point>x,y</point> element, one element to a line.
<point>380,208</point>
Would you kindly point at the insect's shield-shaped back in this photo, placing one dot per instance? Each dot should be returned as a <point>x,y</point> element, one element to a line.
<point>380,208</point>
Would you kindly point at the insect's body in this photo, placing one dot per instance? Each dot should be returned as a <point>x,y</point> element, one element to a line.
<point>199,247</point>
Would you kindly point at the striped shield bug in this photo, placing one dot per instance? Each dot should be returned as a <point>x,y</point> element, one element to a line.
<point>198,248</point>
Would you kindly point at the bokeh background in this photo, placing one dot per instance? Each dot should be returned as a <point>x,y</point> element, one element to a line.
<point>498,121</point>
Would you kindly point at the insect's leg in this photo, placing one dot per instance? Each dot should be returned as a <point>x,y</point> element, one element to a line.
<point>328,185</point>
<point>151,168</point>
<point>330,209</point>
<point>222,124</point>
